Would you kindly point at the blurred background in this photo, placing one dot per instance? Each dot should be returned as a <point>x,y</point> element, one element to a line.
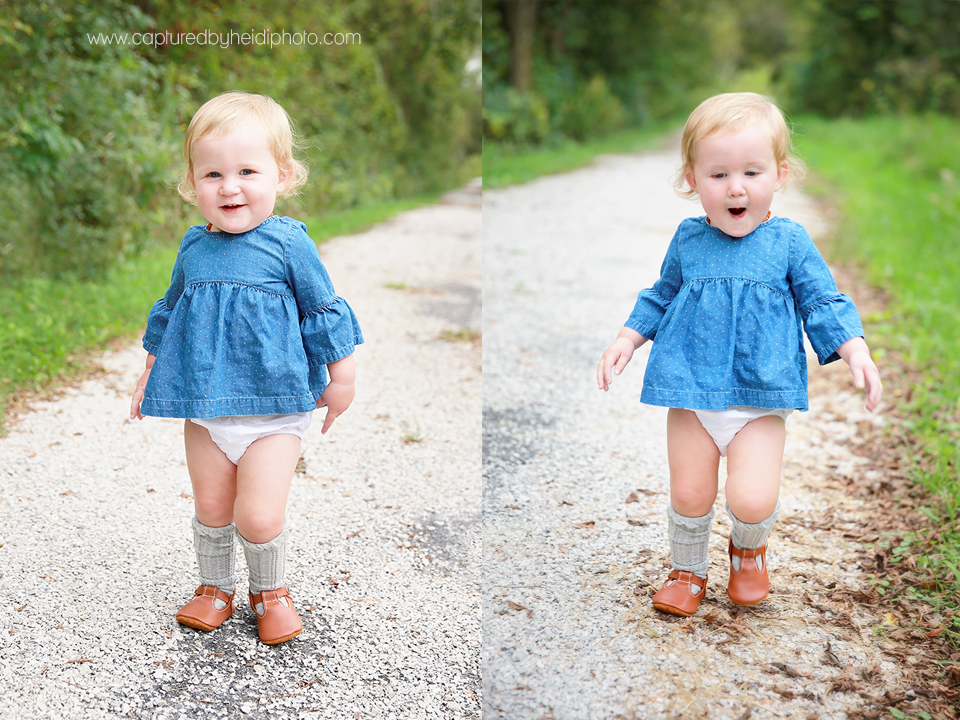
<point>872,91</point>
<point>564,69</point>
<point>91,136</point>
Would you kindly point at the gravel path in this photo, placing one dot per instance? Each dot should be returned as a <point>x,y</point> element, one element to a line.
<point>95,515</point>
<point>576,487</point>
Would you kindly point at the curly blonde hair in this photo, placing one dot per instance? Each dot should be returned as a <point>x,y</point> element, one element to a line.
<point>232,111</point>
<point>729,114</point>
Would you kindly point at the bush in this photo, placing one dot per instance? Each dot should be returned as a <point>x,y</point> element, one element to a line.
<point>593,112</point>
<point>509,116</point>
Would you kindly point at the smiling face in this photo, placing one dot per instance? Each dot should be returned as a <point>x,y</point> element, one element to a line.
<point>736,177</point>
<point>237,179</point>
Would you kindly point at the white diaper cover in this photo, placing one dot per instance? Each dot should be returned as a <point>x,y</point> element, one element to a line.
<point>723,425</point>
<point>235,434</point>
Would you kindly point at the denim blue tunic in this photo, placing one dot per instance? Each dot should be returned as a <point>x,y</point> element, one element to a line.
<point>725,317</point>
<point>247,326</point>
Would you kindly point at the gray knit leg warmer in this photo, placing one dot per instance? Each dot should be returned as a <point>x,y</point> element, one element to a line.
<point>750,536</point>
<point>689,541</point>
<point>216,552</point>
<point>266,562</point>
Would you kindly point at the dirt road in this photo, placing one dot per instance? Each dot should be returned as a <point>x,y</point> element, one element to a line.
<point>576,488</point>
<point>95,515</point>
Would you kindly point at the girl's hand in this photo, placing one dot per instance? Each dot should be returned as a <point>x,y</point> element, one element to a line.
<point>141,387</point>
<point>616,357</point>
<point>865,374</point>
<point>336,398</point>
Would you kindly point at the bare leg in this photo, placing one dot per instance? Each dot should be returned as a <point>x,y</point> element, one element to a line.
<point>213,476</point>
<point>263,484</point>
<point>754,460</point>
<point>694,463</point>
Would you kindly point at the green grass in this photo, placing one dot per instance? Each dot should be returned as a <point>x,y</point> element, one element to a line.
<point>896,182</point>
<point>49,329</point>
<point>503,165</point>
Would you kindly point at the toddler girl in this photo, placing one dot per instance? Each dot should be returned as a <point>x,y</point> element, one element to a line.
<point>728,356</point>
<point>240,345</point>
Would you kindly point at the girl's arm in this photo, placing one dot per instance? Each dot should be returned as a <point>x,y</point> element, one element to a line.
<point>339,392</point>
<point>856,354</point>
<point>616,357</point>
<point>141,386</point>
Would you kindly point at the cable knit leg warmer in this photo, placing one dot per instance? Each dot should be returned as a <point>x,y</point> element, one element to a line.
<point>689,541</point>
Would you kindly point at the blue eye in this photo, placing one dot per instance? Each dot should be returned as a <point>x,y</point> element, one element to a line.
<point>214,175</point>
<point>246,172</point>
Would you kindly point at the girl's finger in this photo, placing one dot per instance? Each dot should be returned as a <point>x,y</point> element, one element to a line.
<point>328,421</point>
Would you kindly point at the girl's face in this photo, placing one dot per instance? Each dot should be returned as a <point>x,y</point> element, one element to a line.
<point>237,179</point>
<point>736,177</point>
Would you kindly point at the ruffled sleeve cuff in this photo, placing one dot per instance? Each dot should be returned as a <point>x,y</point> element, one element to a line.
<point>648,313</point>
<point>156,326</point>
<point>330,332</point>
<point>829,324</point>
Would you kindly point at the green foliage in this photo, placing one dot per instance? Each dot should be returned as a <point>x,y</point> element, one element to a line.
<point>80,147</point>
<point>514,117</point>
<point>597,67</point>
<point>880,56</point>
<point>90,132</point>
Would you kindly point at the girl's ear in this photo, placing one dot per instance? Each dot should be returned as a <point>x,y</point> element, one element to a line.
<point>286,175</point>
<point>782,172</point>
<point>691,179</point>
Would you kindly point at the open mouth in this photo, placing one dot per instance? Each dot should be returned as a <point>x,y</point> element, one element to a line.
<point>230,207</point>
<point>737,212</point>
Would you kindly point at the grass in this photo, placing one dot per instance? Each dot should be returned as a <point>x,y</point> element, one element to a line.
<point>50,329</point>
<point>896,183</point>
<point>464,335</point>
<point>504,165</point>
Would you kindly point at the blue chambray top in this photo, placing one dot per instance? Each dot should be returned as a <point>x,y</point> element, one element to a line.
<point>725,317</point>
<point>247,326</point>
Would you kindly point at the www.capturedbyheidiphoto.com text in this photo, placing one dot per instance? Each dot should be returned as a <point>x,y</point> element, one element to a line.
<point>224,39</point>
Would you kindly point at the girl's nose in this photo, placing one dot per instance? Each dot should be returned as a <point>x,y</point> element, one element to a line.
<point>229,187</point>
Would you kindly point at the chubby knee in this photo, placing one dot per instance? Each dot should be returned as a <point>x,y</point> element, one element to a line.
<point>692,499</point>
<point>212,510</point>
<point>258,526</point>
<point>752,508</point>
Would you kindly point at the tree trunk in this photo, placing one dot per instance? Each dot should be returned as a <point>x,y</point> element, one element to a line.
<point>521,22</point>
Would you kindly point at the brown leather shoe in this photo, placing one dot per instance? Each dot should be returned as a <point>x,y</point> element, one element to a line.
<point>679,594</point>
<point>201,613</point>
<point>750,584</point>
<point>278,621</point>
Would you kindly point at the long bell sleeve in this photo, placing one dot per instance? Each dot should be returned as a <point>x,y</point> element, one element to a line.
<point>328,325</point>
<point>830,318</point>
<point>162,309</point>
<point>652,304</point>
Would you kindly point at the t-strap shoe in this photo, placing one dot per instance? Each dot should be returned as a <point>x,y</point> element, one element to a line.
<point>681,594</point>
<point>750,584</point>
<point>277,621</point>
<point>207,609</point>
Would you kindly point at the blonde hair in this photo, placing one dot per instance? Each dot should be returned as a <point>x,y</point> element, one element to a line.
<point>232,111</point>
<point>729,114</point>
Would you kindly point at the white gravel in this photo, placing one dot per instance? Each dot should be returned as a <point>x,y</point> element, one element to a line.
<point>97,553</point>
<point>576,485</point>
